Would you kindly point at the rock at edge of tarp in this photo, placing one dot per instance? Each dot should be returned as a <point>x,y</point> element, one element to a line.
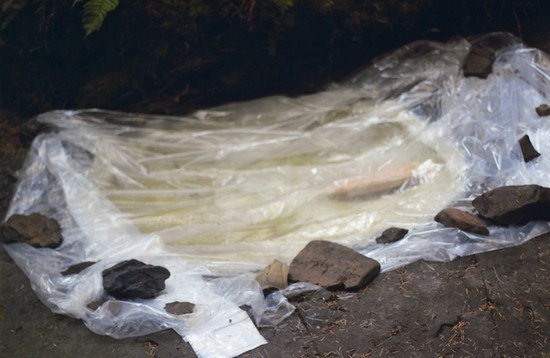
<point>134,279</point>
<point>527,149</point>
<point>543,110</point>
<point>480,58</point>
<point>35,229</point>
<point>391,234</point>
<point>477,65</point>
<point>462,220</point>
<point>515,204</point>
<point>332,266</point>
<point>274,275</point>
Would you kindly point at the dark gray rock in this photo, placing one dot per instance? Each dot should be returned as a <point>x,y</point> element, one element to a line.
<point>35,229</point>
<point>77,268</point>
<point>452,217</point>
<point>179,308</point>
<point>514,205</point>
<point>529,152</point>
<point>543,110</point>
<point>392,234</point>
<point>134,279</point>
<point>332,266</point>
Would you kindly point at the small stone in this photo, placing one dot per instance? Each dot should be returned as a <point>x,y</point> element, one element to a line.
<point>515,204</point>
<point>35,229</point>
<point>529,152</point>
<point>479,62</point>
<point>332,266</point>
<point>275,275</point>
<point>392,234</point>
<point>543,110</point>
<point>452,217</point>
<point>94,305</point>
<point>77,268</point>
<point>179,308</point>
<point>134,279</point>
<point>478,65</point>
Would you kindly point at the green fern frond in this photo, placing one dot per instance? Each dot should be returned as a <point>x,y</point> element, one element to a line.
<point>94,12</point>
<point>284,5</point>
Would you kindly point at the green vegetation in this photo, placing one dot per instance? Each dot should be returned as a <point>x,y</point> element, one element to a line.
<point>94,12</point>
<point>170,56</point>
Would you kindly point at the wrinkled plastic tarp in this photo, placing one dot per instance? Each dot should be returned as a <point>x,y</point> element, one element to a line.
<point>218,194</point>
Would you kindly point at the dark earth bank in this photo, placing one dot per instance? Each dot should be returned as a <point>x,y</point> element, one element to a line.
<point>170,57</point>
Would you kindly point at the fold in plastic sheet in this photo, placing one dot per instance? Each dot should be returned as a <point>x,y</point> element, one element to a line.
<point>218,194</point>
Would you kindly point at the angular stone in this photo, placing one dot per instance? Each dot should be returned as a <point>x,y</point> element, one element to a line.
<point>514,205</point>
<point>77,268</point>
<point>479,62</point>
<point>529,152</point>
<point>179,308</point>
<point>35,229</point>
<point>332,266</point>
<point>275,275</point>
<point>134,279</point>
<point>392,234</point>
<point>543,110</point>
<point>452,217</point>
<point>478,65</point>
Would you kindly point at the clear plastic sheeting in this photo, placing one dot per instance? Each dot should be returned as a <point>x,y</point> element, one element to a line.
<point>217,195</point>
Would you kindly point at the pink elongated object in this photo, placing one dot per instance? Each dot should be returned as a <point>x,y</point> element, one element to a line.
<point>362,186</point>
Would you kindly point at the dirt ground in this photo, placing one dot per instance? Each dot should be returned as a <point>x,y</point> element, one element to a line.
<point>488,305</point>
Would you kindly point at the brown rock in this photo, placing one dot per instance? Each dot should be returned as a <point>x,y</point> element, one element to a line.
<point>452,217</point>
<point>479,62</point>
<point>179,308</point>
<point>529,152</point>
<point>94,305</point>
<point>514,205</point>
<point>275,275</point>
<point>478,65</point>
<point>332,266</point>
<point>543,110</point>
<point>392,234</point>
<point>35,229</point>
